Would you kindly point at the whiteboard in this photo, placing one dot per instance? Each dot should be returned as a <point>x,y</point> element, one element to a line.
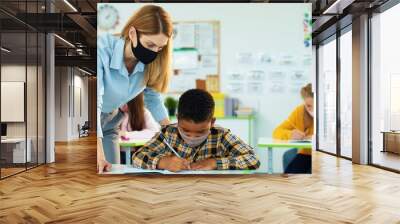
<point>12,101</point>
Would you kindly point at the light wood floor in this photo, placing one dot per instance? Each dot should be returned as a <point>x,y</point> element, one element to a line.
<point>387,159</point>
<point>5,172</point>
<point>70,191</point>
<point>10,171</point>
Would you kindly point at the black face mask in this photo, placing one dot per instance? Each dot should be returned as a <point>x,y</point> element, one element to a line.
<point>143,54</point>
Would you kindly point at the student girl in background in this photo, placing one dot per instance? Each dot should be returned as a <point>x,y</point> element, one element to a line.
<point>138,121</point>
<point>298,126</point>
<point>138,60</point>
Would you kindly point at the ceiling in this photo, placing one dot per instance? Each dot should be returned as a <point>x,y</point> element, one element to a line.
<point>76,25</point>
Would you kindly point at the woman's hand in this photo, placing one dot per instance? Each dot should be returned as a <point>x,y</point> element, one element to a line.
<point>298,135</point>
<point>102,164</point>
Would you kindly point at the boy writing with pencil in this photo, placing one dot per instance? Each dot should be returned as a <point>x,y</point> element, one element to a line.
<point>194,143</point>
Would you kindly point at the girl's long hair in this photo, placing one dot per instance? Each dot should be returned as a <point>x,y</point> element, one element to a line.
<point>306,92</point>
<point>136,113</point>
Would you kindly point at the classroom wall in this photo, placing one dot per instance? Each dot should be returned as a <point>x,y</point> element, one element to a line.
<point>247,28</point>
<point>258,29</point>
<point>70,83</point>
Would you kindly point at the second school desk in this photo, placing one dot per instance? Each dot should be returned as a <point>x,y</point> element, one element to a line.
<point>128,145</point>
<point>270,144</point>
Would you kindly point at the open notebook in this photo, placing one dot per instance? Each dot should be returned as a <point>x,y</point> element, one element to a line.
<point>124,169</point>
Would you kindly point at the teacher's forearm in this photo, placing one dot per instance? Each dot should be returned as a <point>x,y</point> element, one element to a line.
<point>100,150</point>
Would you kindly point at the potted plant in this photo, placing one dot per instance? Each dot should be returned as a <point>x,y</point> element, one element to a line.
<point>171,104</point>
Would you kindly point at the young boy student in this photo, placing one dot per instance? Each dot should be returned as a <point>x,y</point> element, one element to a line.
<point>194,143</point>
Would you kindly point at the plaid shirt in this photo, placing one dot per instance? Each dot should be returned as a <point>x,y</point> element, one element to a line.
<point>228,150</point>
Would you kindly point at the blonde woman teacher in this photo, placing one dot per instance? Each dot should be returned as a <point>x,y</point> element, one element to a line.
<point>138,60</point>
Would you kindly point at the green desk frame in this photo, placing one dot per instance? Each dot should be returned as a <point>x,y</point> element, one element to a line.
<point>270,144</point>
<point>128,146</point>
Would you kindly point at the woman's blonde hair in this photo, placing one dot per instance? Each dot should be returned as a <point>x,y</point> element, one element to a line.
<point>306,91</point>
<point>152,20</point>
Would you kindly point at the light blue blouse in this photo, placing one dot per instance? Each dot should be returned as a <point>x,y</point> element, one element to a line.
<point>115,86</point>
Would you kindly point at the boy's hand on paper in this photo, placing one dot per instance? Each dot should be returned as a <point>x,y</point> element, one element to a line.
<point>207,164</point>
<point>298,135</point>
<point>173,164</point>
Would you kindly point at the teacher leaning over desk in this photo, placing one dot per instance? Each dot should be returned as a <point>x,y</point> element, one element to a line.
<point>137,60</point>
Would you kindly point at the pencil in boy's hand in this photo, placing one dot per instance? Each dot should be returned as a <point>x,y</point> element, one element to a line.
<point>172,149</point>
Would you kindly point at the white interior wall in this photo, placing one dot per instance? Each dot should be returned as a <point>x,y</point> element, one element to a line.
<point>68,82</point>
<point>15,73</point>
<point>34,108</point>
<point>61,104</point>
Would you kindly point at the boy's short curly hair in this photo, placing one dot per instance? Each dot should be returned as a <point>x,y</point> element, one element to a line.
<point>196,105</point>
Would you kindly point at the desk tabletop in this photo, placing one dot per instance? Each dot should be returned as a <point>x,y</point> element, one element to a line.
<point>391,132</point>
<point>13,140</point>
<point>128,169</point>
<point>269,142</point>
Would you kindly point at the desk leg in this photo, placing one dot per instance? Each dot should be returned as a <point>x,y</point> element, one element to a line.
<point>128,155</point>
<point>270,165</point>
